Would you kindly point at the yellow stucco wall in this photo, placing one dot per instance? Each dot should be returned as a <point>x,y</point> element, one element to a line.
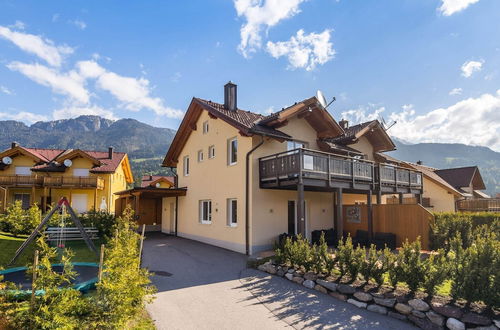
<point>213,179</point>
<point>364,146</point>
<point>440,199</point>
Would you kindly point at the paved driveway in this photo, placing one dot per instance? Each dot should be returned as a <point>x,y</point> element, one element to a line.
<point>205,287</point>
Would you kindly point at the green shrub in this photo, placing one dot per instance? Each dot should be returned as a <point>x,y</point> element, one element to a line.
<point>323,260</point>
<point>436,271</point>
<point>104,222</point>
<point>350,259</point>
<point>125,288</point>
<point>409,265</point>
<point>476,271</point>
<point>17,221</point>
<point>375,265</point>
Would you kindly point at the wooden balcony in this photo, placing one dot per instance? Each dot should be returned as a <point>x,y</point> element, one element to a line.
<point>51,182</point>
<point>73,182</point>
<point>324,171</point>
<point>20,181</point>
<point>479,205</point>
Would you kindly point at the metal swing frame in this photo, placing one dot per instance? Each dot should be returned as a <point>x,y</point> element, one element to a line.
<point>37,231</point>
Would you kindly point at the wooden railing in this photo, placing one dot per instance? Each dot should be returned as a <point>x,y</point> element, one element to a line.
<point>321,165</point>
<point>20,180</point>
<point>73,182</point>
<point>479,205</point>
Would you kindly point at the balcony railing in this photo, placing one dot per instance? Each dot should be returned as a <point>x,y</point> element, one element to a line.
<point>52,182</point>
<point>315,164</point>
<point>478,205</point>
<point>73,182</point>
<point>20,180</point>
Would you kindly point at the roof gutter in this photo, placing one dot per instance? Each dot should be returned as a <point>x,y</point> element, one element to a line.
<point>247,194</point>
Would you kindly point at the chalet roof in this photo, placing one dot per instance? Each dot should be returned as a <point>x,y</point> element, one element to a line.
<point>46,158</point>
<point>150,180</point>
<point>463,177</point>
<point>372,130</point>
<point>328,146</point>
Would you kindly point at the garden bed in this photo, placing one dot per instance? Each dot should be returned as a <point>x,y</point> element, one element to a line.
<point>399,304</point>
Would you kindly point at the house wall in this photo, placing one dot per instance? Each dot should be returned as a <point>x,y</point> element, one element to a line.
<point>364,146</point>
<point>215,180</point>
<point>440,199</point>
<point>168,215</point>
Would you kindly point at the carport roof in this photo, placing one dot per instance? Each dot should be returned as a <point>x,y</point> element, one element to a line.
<point>152,192</point>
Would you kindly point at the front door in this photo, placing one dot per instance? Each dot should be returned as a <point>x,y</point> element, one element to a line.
<point>292,218</point>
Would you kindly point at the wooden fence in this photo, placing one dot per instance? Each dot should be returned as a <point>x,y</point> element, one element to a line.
<point>406,221</point>
<point>479,205</point>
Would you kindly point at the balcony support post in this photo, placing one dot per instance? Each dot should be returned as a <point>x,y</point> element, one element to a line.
<point>400,198</point>
<point>340,220</point>
<point>32,196</point>
<point>95,199</point>
<point>301,224</point>
<point>419,199</point>
<point>370,214</point>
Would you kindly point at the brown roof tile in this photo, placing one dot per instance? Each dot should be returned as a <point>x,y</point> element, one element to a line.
<point>461,176</point>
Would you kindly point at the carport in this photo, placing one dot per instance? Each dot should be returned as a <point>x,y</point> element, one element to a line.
<point>154,207</point>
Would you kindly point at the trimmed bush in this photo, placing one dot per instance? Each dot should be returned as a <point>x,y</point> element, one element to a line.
<point>350,259</point>
<point>17,221</point>
<point>375,265</point>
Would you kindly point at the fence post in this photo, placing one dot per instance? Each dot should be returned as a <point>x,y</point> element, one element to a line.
<point>101,260</point>
<point>142,243</point>
<point>33,289</point>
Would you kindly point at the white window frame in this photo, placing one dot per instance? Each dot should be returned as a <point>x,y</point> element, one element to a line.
<point>231,215</point>
<point>200,156</point>
<point>205,219</point>
<point>230,162</point>
<point>205,127</point>
<point>185,165</point>
<point>211,152</point>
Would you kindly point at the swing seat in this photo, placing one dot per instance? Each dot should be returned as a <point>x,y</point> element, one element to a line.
<point>70,233</point>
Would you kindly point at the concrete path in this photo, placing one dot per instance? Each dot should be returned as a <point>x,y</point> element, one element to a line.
<point>205,287</point>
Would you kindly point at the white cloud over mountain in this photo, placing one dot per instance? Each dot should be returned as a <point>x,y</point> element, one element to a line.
<point>304,51</point>
<point>24,116</point>
<point>450,7</point>
<point>132,93</point>
<point>474,121</point>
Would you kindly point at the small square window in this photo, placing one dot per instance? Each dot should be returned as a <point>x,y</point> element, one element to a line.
<point>205,127</point>
<point>232,212</point>
<point>211,152</point>
<point>205,211</point>
<point>185,164</point>
<point>200,155</point>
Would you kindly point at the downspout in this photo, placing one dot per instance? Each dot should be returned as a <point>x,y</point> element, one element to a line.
<point>247,194</point>
<point>176,207</point>
<point>176,183</point>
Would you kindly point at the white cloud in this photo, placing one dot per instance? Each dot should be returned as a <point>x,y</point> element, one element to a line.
<point>18,25</point>
<point>259,15</point>
<point>30,43</point>
<point>79,24</point>
<point>450,7</point>
<point>5,90</point>
<point>468,68</point>
<point>474,121</point>
<point>363,114</point>
<point>304,51</point>
<point>455,91</point>
<point>75,111</point>
<point>133,92</point>
<point>23,116</point>
<point>70,84</point>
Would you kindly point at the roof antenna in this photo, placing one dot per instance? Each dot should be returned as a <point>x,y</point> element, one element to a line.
<point>384,124</point>
<point>322,99</point>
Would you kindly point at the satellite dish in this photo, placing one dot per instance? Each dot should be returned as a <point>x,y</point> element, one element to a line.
<point>68,162</point>
<point>7,160</point>
<point>321,99</point>
<point>157,185</point>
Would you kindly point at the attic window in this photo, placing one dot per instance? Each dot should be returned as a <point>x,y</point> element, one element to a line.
<point>200,155</point>
<point>205,127</point>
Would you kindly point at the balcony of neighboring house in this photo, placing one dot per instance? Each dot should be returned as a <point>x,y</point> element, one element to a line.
<point>479,205</point>
<point>23,181</point>
<point>321,171</point>
<point>81,182</point>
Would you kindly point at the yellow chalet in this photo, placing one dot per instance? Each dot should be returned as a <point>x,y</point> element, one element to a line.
<point>88,179</point>
<point>248,178</point>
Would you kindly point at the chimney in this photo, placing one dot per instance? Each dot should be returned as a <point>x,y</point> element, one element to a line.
<point>110,152</point>
<point>14,145</point>
<point>150,177</point>
<point>419,162</point>
<point>344,124</point>
<point>230,96</point>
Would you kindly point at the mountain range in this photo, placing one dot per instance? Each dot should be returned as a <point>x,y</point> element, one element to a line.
<point>147,145</point>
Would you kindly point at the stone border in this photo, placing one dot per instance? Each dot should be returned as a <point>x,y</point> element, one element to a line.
<point>416,311</point>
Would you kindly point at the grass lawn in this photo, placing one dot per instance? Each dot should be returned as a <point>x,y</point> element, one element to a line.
<point>9,244</point>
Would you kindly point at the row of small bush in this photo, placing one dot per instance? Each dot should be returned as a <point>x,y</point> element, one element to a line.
<point>473,271</point>
<point>121,294</point>
<point>17,221</point>
<point>447,225</point>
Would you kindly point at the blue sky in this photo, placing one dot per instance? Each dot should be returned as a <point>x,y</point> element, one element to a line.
<point>433,66</point>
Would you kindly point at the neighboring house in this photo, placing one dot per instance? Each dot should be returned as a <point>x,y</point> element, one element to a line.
<point>248,177</point>
<point>157,181</point>
<point>88,179</point>
<point>467,180</point>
